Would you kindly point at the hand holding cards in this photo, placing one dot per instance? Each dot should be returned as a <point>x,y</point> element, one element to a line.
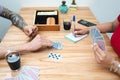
<point>96,37</point>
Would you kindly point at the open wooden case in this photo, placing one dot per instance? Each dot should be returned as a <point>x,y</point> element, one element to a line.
<point>47,20</point>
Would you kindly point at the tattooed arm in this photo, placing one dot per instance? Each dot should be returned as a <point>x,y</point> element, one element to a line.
<point>18,21</point>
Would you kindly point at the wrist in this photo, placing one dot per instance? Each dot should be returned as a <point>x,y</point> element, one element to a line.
<point>24,26</point>
<point>115,66</point>
<point>113,61</point>
<point>88,29</point>
<point>25,47</point>
<point>112,65</point>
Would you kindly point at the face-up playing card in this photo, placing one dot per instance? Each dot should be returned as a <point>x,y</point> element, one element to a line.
<point>97,37</point>
<point>57,45</point>
<point>54,56</point>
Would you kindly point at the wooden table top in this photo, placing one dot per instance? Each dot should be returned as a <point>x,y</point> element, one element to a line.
<point>78,60</point>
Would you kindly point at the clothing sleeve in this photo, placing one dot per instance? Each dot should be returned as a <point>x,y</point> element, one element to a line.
<point>16,19</point>
<point>119,18</point>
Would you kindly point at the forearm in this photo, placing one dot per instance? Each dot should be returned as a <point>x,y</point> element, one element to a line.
<point>16,19</point>
<point>19,48</point>
<point>106,27</point>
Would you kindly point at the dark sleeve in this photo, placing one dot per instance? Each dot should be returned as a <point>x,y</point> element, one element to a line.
<point>16,19</point>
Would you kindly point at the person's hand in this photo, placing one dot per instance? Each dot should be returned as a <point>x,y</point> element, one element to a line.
<point>80,30</point>
<point>37,43</point>
<point>102,57</point>
<point>30,31</point>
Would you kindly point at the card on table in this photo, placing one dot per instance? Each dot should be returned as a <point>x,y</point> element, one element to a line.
<point>54,56</point>
<point>97,37</point>
<point>72,38</point>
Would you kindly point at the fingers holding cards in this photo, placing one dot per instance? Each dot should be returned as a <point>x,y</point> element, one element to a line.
<point>57,45</point>
<point>101,44</point>
<point>97,37</point>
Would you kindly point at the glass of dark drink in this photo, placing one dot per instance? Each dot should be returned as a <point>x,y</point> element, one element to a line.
<point>13,60</point>
<point>67,24</point>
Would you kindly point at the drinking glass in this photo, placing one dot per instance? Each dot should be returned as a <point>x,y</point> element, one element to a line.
<point>67,24</point>
<point>13,60</point>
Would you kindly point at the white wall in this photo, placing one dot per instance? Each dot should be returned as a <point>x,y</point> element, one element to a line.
<point>104,10</point>
<point>39,3</point>
<point>4,23</point>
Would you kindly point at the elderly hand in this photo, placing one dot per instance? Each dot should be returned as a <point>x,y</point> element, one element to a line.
<point>102,57</point>
<point>37,43</point>
<point>30,30</point>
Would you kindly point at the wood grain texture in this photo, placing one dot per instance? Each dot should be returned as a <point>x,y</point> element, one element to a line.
<point>78,61</point>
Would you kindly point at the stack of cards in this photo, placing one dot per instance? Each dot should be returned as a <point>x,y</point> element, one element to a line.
<point>96,37</point>
<point>27,73</point>
<point>54,56</point>
<point>57,45</point>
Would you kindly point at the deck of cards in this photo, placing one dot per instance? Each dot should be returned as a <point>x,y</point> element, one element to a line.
<point>97,37</point>
<point>27,73</point>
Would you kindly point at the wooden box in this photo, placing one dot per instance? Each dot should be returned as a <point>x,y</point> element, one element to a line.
<point>47,20</point>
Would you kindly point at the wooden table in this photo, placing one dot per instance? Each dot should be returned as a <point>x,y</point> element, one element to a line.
<point>78,60</point>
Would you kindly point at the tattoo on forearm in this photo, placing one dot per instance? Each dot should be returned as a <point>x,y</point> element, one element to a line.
<point>16,19</point>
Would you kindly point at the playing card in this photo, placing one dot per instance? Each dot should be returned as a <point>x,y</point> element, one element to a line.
<point>34,68</point>
<point>101,44</point>
<point>97,33</point>
<point>57,45</point>
<point>21,77</point>
<point>97,37</point>
<point>92,34</point>
<point>27,71</point>
<point>9,79</point>
<point>25,77</point>
<point>17,77</point>
<point>54,56</point>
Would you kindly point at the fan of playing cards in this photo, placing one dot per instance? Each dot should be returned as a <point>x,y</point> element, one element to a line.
<point>96,37</point>
<point>27,73</point>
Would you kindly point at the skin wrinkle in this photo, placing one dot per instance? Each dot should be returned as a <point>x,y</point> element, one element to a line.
<point>15,18</point>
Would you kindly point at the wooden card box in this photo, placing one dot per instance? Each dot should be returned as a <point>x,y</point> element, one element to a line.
<point>41,17</point>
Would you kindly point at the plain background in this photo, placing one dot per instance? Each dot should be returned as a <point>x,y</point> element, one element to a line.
<point>104,10</point>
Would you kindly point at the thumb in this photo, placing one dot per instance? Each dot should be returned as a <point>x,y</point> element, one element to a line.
<point>30,31</point>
